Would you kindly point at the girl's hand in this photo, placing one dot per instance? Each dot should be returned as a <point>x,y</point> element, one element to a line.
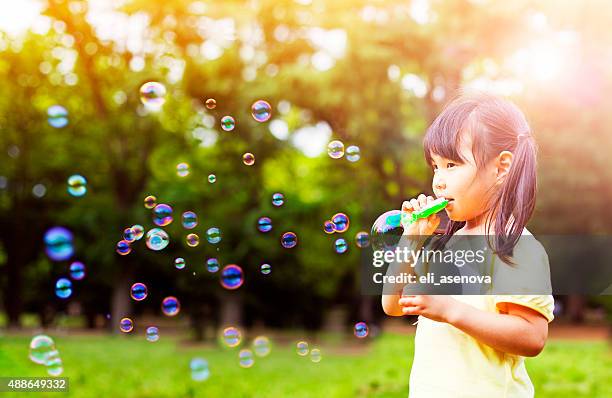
<point>437,308</point>
<point>423,226</point>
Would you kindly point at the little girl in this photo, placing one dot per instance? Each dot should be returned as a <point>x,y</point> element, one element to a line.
<point>484,161</point>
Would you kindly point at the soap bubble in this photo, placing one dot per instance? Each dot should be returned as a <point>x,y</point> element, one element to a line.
<point>190,220</point>
<point>128,234</point>
<point>153,95</point>
<point>126,325</point>
<point>212,264</point>
<point>199,369</point>
<point>329,227</point>
<point>340,245</point>
<point>302,348</point>
<point>182,169</point>
<point>341,222</point>
<point>77,270</point>
<point>138,291</point>
<point>150,202</point>
<point>211,103</point>
<point>40,348</point>
<point>123,247</point>
<point>232,277</point>
<point>63,288</point>
<point>138,231</point>
<point>335,149</point>
<point>54,364</point>
<point>289,240</point>
<point>213,235</point>
<point>261,111</point>
<point>162,215</point>
<point>266,269</point>
<point>212,178</point>
<point>170,306</point>
<point>387,231</point>
<point>232,336</point>
<point>152,334</point>
<point>246,358</point>
<point>362,239</point>
<point>57,116</point>
<point>228,123</point>
<point>361,330</point>
<point>179,263</point>
<point>157,239</point>
<point>315,355</point>
<point>192,240</point>
<point>77,185</point>
<point>58,244</point>
<point>278,199</point>
<point>261,346</point>
<point>248,159</point>
<point>264,224</point>
<point>353,153</point>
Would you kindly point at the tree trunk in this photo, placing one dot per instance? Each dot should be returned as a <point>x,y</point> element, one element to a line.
<point>120,302</point>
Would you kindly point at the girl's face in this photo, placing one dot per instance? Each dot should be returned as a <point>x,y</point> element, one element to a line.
<point>468,191</point>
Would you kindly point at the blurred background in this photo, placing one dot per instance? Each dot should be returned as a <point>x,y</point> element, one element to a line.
<point>372,74</point>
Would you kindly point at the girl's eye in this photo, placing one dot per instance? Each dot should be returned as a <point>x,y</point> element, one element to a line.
<point>450,164</point>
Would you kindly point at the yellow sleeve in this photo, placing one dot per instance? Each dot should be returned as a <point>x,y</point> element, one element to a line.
<point>544,304</point>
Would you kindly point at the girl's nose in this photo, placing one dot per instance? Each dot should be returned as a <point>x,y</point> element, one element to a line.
<point>438,184</point>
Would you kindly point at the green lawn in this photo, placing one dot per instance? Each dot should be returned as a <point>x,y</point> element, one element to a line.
<point>129,366</point>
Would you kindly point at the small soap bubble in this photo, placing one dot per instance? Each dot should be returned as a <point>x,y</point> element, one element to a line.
<point>138,231</point>
<point>157,239</point>
<point>150,202</point>
<point>179,263</point>
<point>315,355</point>
<point>211,103</point>
<point>387,231</point>
<point>58,243</point>
<point>152,334</point>
<point>126,325</point>
<point>162,215</point>
<point>182,169</point>
<point>361,330</point>
<point>199,369</point>
<point>353,153</point>
<point>248,159</point>
<point>153,95</point>
<point>190,220</point>
<point>340,245</point>
<point>329,227</point>
<point>261,346</point>
<point>40,348</point>
<point>138,291</point>
<point>261,111</point>
<point>266,269</point>
<point>362,239</point>
<point>246,358</point>
<point>302,348</point>
<point>77,270</point>
<point>341,222</point>
<point>212,178</point>
<point>232,336</point>
<point>128,234</point>
<point>278,199</point>
<point>232,277</point>
<point>228,123</point>
<point>63,288</point>
<point>335,149</point>
<point>212,264</point>
<point>54,364</point>
<point>264,224</point>
<point>123,247</point>
<point>192,240</point>
<point>77,185</point>
<point>170,306</point>
<point>289,240</point>
<point>57,116</point>
<point>213,235</point>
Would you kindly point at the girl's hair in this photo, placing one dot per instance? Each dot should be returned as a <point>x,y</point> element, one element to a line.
<point>495,125</point>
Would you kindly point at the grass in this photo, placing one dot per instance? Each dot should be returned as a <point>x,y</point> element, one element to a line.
<point>129,366</point>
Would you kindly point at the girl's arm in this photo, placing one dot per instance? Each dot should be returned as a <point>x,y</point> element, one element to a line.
<point>519,330</point>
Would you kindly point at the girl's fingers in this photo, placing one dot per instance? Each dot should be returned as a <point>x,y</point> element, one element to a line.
<point>415,204</point>
<point>422,200</point>
<point>406,206</point>
<point>411,310</point>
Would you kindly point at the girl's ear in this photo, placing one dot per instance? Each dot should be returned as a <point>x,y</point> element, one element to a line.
<point>503,164</point>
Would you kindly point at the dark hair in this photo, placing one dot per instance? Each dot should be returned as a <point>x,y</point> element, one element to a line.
<point>495,125</point>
